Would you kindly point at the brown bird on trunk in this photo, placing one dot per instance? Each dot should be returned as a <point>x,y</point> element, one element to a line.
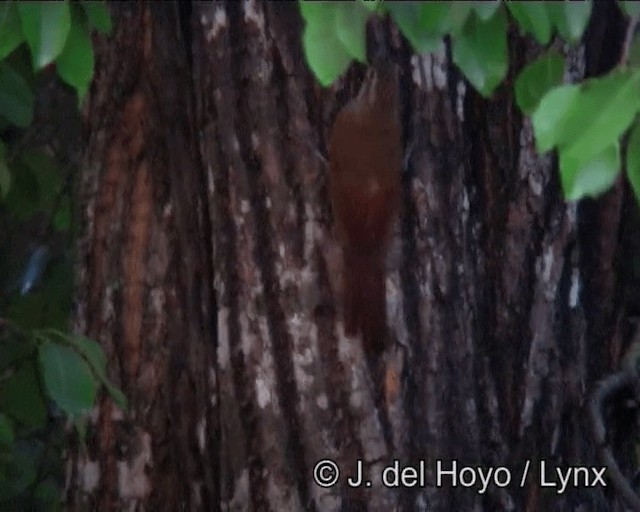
<point>365,158</point>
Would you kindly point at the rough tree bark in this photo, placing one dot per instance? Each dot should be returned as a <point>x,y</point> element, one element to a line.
<point>210,273</point>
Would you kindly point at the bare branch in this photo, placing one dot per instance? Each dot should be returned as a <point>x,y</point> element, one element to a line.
<point>605,390</point>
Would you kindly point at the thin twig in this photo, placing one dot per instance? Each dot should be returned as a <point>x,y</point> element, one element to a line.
<point>605,390</point>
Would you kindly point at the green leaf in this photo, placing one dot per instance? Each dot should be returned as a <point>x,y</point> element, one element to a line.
<point>630,8</point>
<point>117,395</point>
<point>481,52</point>
<point>602,112</point>
<point>98,15</point>
<point>6,430</point>
<point>94,354</point>
<point>62,216</point>
<point>310,10</point>
<point>67,378</point>
<point>16,97</point>
<point>373,5</point>
<point>424,24</point>
<point>486,9</point>
<point>10,29</point>
<point>5,175</point>
<point>458,15</point>
<point>550,114</point>
<point>351,22</point>
<point>570,18</point>
<point>590,178</point>
<point>21,398</point>
<point>585,119</point>
<point>75,63</point>
<point>633,159</point>
<point>537,78</point>
<point>435,18</point>
<point>532,17</point>
<point>445,17</point>
<point>46,26</point>
<point>407,16</point>
<point>325,53</point>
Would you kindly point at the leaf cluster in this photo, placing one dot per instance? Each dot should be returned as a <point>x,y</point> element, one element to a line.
<point>47,377</point>
<point>584,122</point>
<point>36,37</point>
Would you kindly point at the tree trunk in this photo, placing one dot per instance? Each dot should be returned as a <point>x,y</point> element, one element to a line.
<point>210,272</point>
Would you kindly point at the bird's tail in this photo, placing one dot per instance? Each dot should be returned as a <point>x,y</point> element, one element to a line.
<point>365,300</point>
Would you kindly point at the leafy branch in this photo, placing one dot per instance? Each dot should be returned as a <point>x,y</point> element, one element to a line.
<point>585,123</point>
<point>46,375</point>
